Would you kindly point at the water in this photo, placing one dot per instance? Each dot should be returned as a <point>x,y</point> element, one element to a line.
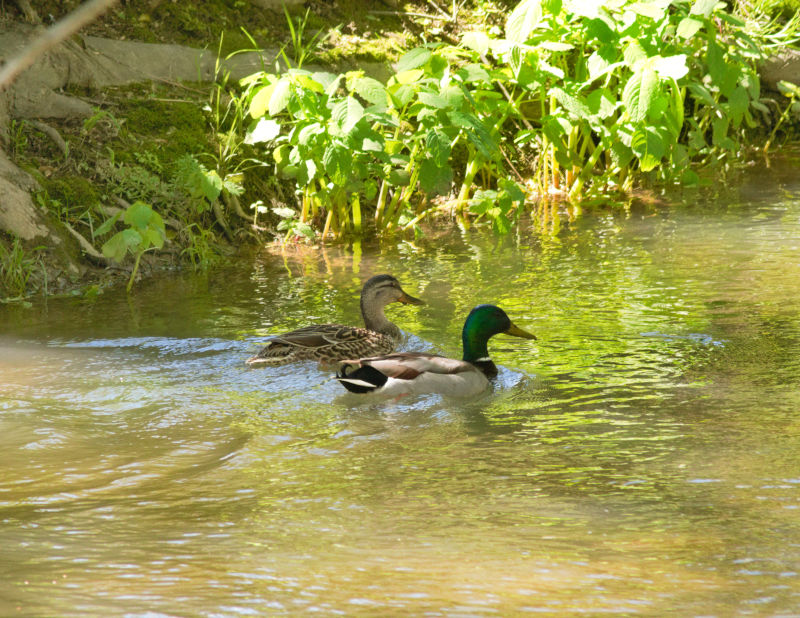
<point>641,457</point>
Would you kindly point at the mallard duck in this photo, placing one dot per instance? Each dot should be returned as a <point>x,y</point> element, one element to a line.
<point>408,373</point>
<point>329,343</point>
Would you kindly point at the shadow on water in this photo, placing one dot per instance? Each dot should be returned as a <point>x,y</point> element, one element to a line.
<point>642,456</point>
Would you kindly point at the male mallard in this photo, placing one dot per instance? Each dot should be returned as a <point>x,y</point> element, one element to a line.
<point>415,373</point>
<point>328,343</point>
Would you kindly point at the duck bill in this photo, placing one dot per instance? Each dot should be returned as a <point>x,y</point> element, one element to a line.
<point>518,332</point>
<point>407,299</point>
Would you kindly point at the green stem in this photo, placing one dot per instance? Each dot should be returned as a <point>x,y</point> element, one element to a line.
<point>576,188</point>
<point>783,117</point>
<point>133,273</point>
<point>473,166</point>
<point>381,202</point>
<point>356,206</point>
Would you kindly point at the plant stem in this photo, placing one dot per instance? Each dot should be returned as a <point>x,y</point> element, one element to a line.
<point>133,273</point>
<point>356,207</point>
<point>473,166</point>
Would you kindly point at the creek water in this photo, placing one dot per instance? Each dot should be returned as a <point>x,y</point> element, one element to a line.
<point>641,457</point>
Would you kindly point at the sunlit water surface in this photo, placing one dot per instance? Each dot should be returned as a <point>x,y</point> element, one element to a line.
<point>643,456</point>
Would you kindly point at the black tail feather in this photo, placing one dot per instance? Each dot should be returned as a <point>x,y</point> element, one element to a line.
<point>364,374</point>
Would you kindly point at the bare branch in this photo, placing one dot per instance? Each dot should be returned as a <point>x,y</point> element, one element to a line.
<point>69,25</point>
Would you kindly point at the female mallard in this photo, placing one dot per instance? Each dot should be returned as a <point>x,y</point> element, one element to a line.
<point>328,343</point>
<point>410,373</point>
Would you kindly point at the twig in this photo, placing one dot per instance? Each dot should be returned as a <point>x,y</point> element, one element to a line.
<point>87,247</point>
<point>402,13</point>
<point>84,14</point>
<point>52,133</point>
<point>510,164</point>
<point>441,10</point>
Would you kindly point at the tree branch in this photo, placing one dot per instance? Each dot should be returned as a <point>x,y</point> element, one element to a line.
<point>69,25</point>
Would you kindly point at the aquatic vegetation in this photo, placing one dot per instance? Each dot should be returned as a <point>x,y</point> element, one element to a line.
<point>576,100</point>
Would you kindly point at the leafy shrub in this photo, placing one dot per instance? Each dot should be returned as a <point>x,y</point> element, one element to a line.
<point>598,95</point>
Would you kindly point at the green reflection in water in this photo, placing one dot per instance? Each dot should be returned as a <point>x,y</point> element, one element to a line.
<point>640,457</point>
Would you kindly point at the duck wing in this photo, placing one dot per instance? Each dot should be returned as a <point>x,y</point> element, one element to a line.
<point>411,372</point>
<point>322,342</point>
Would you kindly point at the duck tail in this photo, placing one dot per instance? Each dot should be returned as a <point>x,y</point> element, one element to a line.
<point>358,378</point>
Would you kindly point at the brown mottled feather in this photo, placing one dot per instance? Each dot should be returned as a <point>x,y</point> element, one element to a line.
<point>326,343</point>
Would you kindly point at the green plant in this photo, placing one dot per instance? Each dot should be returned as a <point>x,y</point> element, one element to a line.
<point>199,250</point>
<point>302,50</point>
<point>596,96</point>
<point>145,231</point>
<point>791,91</point>
<point>16,268</point>
<point>18,139</point>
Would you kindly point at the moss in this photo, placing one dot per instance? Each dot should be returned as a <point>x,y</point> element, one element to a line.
<point>170,130</point>
<point>72,192</point>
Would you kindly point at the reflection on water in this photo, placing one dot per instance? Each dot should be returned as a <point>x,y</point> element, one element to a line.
<point>643,456</point>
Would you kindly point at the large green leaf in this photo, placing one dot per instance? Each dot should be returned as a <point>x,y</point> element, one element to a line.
<point>434,178</point>
<point>473,73</point>
<point>413,59</point>
<point>639,93</point>
<point>673,67</point>
<point>601,103</point>
<point>432,99</point>
<point>355,112</point>
<point>338,162</point>
<point>307,134</point>
<point>478,41</point>
<point>438,146</point>
<point>723,75</point>
<point>118,245</point>
<point>572,104</point>
<point>688,27</point>
<point>401,95</point>
<point>154,237</point>
<point>649,147</point>
<point>523,19</point>
<point>280,96</point>
<point>399,178</point>
<point>703,7</point>
<point>371,90</point>
<point>738,103</point>
<point>654,10</point>
<point>478,135</point>
<point>260,101</point>
<point>138,215</point>
<point>265,130</point>
<point>408,77</point>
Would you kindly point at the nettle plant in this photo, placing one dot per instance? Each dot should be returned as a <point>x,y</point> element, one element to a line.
<point>593,96</point>
<point>350,140</point>
<point>611,89</point>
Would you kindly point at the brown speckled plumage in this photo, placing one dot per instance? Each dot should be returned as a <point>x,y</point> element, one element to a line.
<point>330,343</point>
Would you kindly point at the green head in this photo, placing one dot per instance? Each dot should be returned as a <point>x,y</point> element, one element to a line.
<point>483,322</point>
